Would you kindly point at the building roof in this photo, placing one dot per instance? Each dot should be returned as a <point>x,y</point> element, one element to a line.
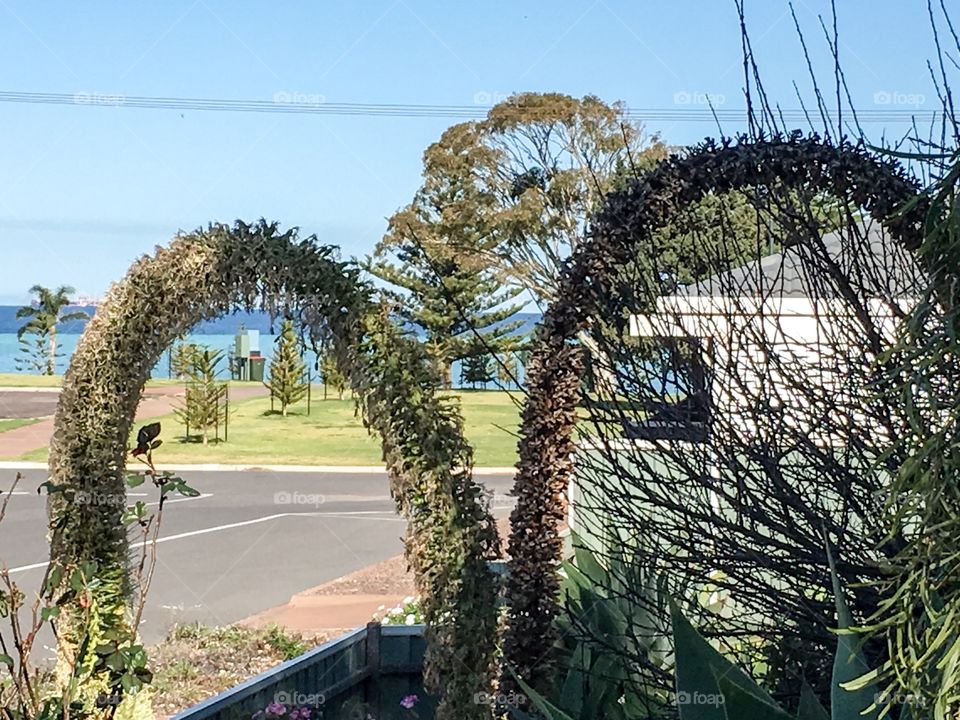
<point>873,264</point>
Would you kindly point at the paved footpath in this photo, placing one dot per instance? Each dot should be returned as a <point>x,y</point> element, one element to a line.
<point>156,401</point>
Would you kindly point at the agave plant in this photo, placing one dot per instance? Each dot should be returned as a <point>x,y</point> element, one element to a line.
<point>708,685</point>
<point>613,643</point>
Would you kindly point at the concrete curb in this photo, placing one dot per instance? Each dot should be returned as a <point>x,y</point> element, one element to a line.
<point>212,467</point>
<point>25,389</point>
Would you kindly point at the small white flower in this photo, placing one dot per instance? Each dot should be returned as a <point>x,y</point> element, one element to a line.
<point>397,611</point>
<point>411,620</point>
<point>385,621</point>
<point>407,600</point>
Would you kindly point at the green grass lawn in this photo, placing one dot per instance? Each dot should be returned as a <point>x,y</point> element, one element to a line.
<point>330,435</point>
<point>24,380</point>
<point>13,424</point>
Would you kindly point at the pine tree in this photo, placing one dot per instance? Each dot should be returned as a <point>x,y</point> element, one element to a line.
<point>449,302</point>
<point>333,379</point>
<point>183,358</point>
<point>287,369</point>
<point>203,406</point>
<point>507,369</point>
<point>476,369</point>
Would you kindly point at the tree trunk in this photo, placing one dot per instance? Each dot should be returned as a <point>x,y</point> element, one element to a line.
<point>283,409</point>
<point>52,356</point>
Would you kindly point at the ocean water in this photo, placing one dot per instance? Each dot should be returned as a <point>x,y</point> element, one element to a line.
<point>218,334</point>
<point>67,342</point>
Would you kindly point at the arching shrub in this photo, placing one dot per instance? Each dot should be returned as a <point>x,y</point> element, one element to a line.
<point>211,272</point>
<point>593,289</point>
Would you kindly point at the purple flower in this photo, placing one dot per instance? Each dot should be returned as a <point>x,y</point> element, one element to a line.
<point>409,701</point>
<point>276,708</point>
<point>304,713</point>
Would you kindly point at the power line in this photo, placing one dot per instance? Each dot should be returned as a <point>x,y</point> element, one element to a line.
<point>690,107</point>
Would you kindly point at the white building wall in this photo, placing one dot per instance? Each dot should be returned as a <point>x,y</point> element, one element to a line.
<point>776,362</point>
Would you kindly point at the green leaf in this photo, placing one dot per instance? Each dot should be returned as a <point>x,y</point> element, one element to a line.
<point>48,613</point>
<point>116,662</point>
<point>571,694</point>
<point>588,565</point>
<point>134,513</point>
<point>849,663</point>
<point>736,703</point>
<point>135,480</point>
<point>187,491</point>
<point>54,577</point>
<point>810,707</point>
<point>76,580</point>
<point>51,487</point>
<point>698,665</point>
<point>550,711</point>
<point>130,683</point>
<point>6,660</point>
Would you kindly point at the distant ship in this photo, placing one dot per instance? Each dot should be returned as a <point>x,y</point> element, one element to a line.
<point>86,301</point>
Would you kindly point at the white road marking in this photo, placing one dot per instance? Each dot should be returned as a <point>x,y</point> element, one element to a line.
<point>24,568</point>
<point>358,515</point>
<point>267,518</point>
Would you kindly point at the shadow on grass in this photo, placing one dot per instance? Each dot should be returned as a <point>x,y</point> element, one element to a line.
<point>198,440</point>
<point>278,413</point>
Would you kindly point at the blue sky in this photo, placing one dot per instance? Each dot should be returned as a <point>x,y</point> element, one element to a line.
<point>87,189</point>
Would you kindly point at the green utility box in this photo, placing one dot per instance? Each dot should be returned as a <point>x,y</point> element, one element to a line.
<point>256,366</point>
<point>247,363</point>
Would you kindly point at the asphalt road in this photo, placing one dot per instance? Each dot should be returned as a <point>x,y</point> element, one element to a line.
<point>19,404</point>
<point>248,543</point>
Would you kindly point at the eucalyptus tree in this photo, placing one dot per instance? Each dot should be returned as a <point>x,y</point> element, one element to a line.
<point>531,174</point>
